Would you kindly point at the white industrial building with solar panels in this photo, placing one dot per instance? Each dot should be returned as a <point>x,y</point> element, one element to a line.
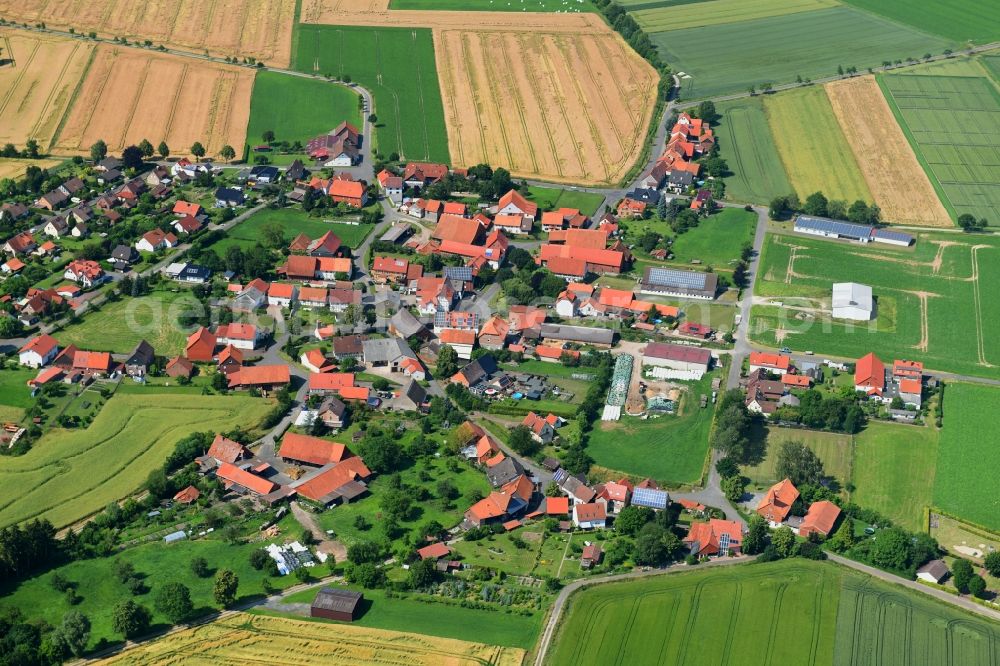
<point>682,284</point>
<point>861,233</point>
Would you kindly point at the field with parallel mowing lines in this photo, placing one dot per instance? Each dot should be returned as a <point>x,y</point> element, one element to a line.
<point>36,90</point>
<point>70,474</point>
<point>746,143</point>
<point>131,95</point>
<point>398,67</point>
<point>562,107</point>
<point>953,124</point>
<point>933,300</point>
<point>676,17</point>
<point>962,20</point>
<point>891,170</point>
<point>258,28</point>
<point>242,639</point>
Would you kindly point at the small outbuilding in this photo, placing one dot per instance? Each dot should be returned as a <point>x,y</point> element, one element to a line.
<point>334,604</point>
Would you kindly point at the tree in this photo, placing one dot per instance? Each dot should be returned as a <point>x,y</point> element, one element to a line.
<point>129,618</point>
<point>522,442</point>
<point>361,552</point>
<point>163,149</point>
<point>961,574</point>
<point>631,519</point>
<point>146,147</point>
<point>977,586</point>
<point>226,583</point>
<point>783,540</point>
<point>267,136</point>
<point>969,223</point>
<point>227,153</point>
<point>423,573</point>
<point>132,157</point>
<point>798,462</point>
<point>259,558</point>
<point>755,540</point>
<point>650,549</point>
<point>174,601</point>
<point>198,150</point>
<point>891,549</point>
<point>366,575</point>
<point>734,487</point>
<point>447,362</point>
<point>199,567</point>
<point>843,539</point>
<point>992,563</point>
<point>815,204</point>
<point>727,467</point>
<point>99,150</point>
<point>73,633</point>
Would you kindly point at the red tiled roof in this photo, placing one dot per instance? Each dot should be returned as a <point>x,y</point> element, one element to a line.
<point>281,290</point>
<point>778,501</point>
<point>42,345</point>
<point>557,506</point>
<point>820,518</point>
<point>435,551</point>
<point>188,495</point>
<point>454,336</point>
<point>226,450</point>
<point>390,265</point>
<point>312,450</point>
<point>769,360</point>
<point>589,512</point>
<point>237,331</point>
<point>456,229</point>
<point>354,392</point>
<point>870,371</point>
<point>796,380</point>
<point>351,469</point>
<point>91,360</point>
<point>330,381</point>
<point>237,476</point>
<point>910,386</point>
<point>260,374</point>
<point>515,197</point>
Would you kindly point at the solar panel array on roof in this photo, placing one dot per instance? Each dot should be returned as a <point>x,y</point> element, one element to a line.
<point>829,226</point>
<point>458,272</point>
<point>650,497</point>
<point>675,278</point>
<point>893,235</point>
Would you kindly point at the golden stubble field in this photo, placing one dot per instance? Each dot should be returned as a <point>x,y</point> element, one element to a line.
<point>38,87</point>
<point>890,167</point>
<point>255,639</point>
<point>245,28</point>
<point>129,95</point>
<point>14,168</point>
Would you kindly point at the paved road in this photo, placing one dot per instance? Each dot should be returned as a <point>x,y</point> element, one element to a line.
<point>742,347</point>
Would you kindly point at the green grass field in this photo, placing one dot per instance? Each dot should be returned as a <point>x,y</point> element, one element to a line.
<point>791,612</point>
<point>669,449</point>
<point>894,467</point>
<point>294,221</point>
<point>963,485</point>
<point>747,145</point>
<point>298,109</point>
<point>680,16</point>
<point>119,326</point>
<point>953,124</point>
<point>69,474</point>
<point>718,239</point>
<point>812,146</point>
<point>496,5</point>
<point>15,396</point>
<point>728,58</point>
<point>397,66</point>
<point>551,198</point>
<point>961,20</point>
<point>834,449</point>
<point>949,329</point>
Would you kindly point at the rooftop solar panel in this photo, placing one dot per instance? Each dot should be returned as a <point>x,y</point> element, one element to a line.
<point>833,226</point>
<point>650,497</point>
<point>458,272</point>
<point>675,278</point>
<point>893,235</point>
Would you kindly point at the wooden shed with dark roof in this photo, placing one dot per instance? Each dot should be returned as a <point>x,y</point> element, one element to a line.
<point>334,604</point>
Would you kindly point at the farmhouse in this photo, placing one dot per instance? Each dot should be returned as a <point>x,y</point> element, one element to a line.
<point>869,375</point>
<point>514,203</point>
<point>338,148</point>
<point>264,377</point>
<point>716,537</point>
<point>820,519</point>
<point>777,364</point>
<point>590,515</point>
<point>241,336</point>
<point>827,228</point>
<point>335,604</point>
<point>324,383</point>
<point>423,174</point>
<point>386,352</point>
<point>462,341</point>
<point>777,502</point>
<point>598,337</point>
<point>389,269</point>
<point>852,301</point>
<point>692,362</point>
<point>515,225</point>
<point>679,283</point>
<point>391,184</point>
<point>38,352</point>
<point>311,450</point>
<point>241,481</point>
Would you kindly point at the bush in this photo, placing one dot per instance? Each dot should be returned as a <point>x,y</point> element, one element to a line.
<point>259,559</point>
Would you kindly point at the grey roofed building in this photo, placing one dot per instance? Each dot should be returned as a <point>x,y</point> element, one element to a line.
<point>264,173</point>
<point>865,233</point>
<point>397,233</point>
<point>648,196</point>
<point>504,472</point>
<point>582,334</point>
<point>348,346</point>
<point>386,351</point>
<point>411,397</point>
<point>405,325</point>
<point>108,163</point>
<point>336,601</point>
<point>194,273</point>
<point>479,370</point>
<point>574,486</point>
<point>935,570</point>
<point>676,282</point>
<point>295,171</point>
<point>680,179</point>
<point>126,254</point>
<point>140,359</point>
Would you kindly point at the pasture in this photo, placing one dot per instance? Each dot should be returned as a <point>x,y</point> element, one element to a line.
<point>39,87</point>
<point>963,485</point>
<point>245,638</point>
<point>953,124</point>
<point>884,156</point>
<point>491,83</point>
<point>15,168</point>
<point>15,396</point>
<point>160,98</point>
<point>894,468</point>
<point>960,20</point>
<point>728,58</point>
<point>552,198</point>
<point>678,16</point>
<point>256,28</point>
<point>298,109</point>
<point>747,145</point>
<point>70,474</point>
<point>293,221</point>
<point>929,301</point>
<point>812,146</point>
<point>836,450</point>
<point>398,67</point>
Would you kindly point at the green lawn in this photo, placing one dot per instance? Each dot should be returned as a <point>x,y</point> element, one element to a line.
<point>397,66</point>
<point>69,474</point>
<point>968,456</point>
<point>894,468</point>
<point>298,109</point>
<point>834,449</point>
<point>718,239</point>
<point>440,619</point>
<point>536,367</point>
<point>294,221</point>
<point>551,198</point>
<point>119,326</point>
<point>14,391</point>
<point>496,5</point>
<point>961,20</point>
<point>670,449</point>
<point>746,143</point>
<point>728,58</point>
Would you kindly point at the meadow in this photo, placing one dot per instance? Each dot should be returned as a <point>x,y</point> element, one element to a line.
<point>552,198</point>
<point>929,305</point>
<point>495,5</point>
<point>964,484</point>
<point>747,145</point>
<point>294,221</point>
<point>812,146</point>
<point>836,450</point>
<point>730,57</point>
<point>960,20</point>
<point>15,396</point>
<point>69,474</point>
<point>298,109</point>
<point>717,241</point>
<point>397,66</point>
<point>839,617</point>
<point>953,124</point>
<point>692,15</point>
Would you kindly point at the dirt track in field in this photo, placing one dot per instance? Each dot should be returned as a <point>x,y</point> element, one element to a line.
<point>36,90</point>
<point>887,162</point>
<point>130,95</point>
<point>257,28</point>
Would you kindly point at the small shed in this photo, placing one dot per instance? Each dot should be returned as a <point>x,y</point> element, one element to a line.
<point>334,604</point>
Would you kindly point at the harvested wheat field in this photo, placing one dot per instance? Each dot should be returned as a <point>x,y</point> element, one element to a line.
<point>258,28</point>
<point>130,95</point>
<point>887,162</point>
<point>255,639</point>
<point>37,88</point>
<point>556,106</point>
<point>14,168</point>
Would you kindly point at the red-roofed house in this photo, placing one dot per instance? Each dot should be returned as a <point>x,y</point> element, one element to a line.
<point>341,482</point>
<point>493,334</point>
<point>225,450</point>
<point>389,269</point>
<point>435,551</point>
<point>281,294</point>
<point>777,364</point>
<point>422,174</point>
<point>796,381</point>
<point>820,518</point>
<point>515,225</point>
<point>869,375</point>
<point>777,502</point>
<point>182,208</point>
<point>311,450</point>
<point>240,480</point>
<point>462,341</point>
<point>514,203</point>
<point>541,430</point>
<point>316,361</point>
<point>85,272</point>
<point>350,192</point>
<point>263,377</point>
<point>187,496</point>
<point>330,382</point>
<point>38,351</point>
<point>241,336</point>
<point>911,391</point>
<point>716,537</point>
<point>907,370</point>
<point>458,230</point>
<point>155,240</point>
<point>92,363</point>
<point>590,515</point>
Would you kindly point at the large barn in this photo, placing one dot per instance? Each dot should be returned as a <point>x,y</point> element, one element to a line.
<point>852,301</point>
<point>335,604</point>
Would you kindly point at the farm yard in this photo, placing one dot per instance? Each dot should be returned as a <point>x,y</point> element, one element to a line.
<point>953,124</point>
<point>398,67</point>
<point>37,89</point>
<point>70,474</point>
<point>961,20</point>
<point>244,28</point>
<point>158,97</point>
<point>929,301</point>
<point>884,156</point>
<point>839,617</point>
<point>747,145</point>
<point>244,638</point>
